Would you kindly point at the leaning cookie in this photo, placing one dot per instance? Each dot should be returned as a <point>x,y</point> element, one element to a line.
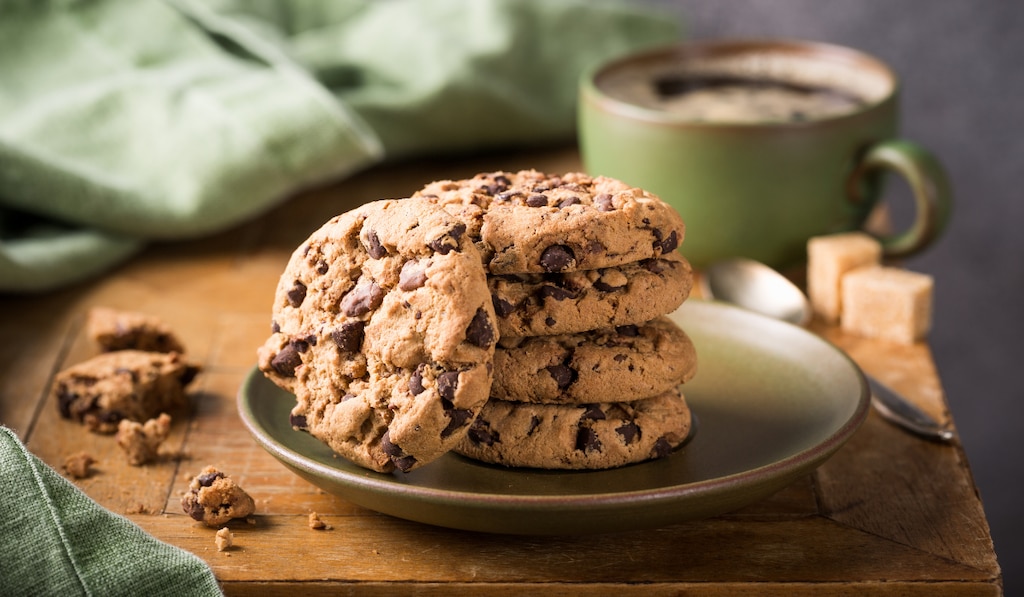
<point>573,302</point>
<point>384,330</point>
<point>607,365</point>
<point>588,436</point>
<point>530,221</point>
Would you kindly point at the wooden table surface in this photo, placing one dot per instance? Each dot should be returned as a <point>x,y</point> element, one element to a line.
<point>889,514</point>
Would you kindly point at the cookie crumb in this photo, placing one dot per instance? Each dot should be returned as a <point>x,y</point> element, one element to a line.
<point>213,498</point>
<point>317,524</point>
<point>225,539</point>
<point>79,465</point>
<point>141,441</point>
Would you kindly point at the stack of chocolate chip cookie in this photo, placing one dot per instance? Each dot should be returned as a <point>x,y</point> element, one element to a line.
<point>581,271</point>
<point>515,318</point>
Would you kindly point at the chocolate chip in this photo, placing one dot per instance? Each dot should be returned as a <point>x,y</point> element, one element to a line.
<point>193,508</point>
<point>450,242</point>
<point>322,267</point>
<point>604,202</point>
<point>362,299</point>
<point>563,375</point>
<point>573,200</point>
<point>559,294</point>
<point>375,249</point>
<point>630,331</point>
<point>459,417</point>
<point>349,337</point>
<point>549,321</point>
<point>661,448</point>
<point>412,276</point>
<point>389,448</point>
<point>557,258</point>
<point>480,331</point>
<point>620,357</point>
<point>300,345</point>
<point>655,266</point>
<point>286,361</point>
<point>207,479</point>
<point>188,374</point>
<point>593,412</point>
<point>502,307</point>
<point>274,327</point>
<point>64,401</point>
<point>586,440</point>
<point>298,421</point>
<point>402,461</point>
<point>297,294</point>
<point>480,433</point>
<point>507,195</point>
<point>537,200</point>
<point>630,432</point>
<point>447,383</point>
<point>668,244</point>
<point>416,380</point>
<point>534,424</point>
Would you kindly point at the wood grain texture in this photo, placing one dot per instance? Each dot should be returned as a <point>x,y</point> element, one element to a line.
<point>889,514</point>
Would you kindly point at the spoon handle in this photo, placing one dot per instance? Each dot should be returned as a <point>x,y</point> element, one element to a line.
<point>896,409</point>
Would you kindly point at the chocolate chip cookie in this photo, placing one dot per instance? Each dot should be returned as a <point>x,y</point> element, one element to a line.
<point>587,436</point>
<point>383,328</point>
<point>572,302</point>
<point>605,365</point>
<point>532,222</point>
<point>126,384</point>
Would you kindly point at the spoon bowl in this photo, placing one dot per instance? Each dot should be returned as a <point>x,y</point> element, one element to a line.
<point>756,287</point>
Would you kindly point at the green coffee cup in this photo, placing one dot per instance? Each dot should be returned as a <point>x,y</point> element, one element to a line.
<point>752,185</point>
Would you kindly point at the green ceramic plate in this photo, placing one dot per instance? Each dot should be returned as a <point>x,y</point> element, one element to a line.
<point>771,402</point>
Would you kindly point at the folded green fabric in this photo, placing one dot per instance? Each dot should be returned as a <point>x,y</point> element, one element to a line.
<point>126,121</point>
<point>57,541</point>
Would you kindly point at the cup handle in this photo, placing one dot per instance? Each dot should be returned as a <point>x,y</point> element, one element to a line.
<point>928,183</point>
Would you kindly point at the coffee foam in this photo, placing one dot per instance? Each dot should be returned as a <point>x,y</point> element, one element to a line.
<point>631,81</point>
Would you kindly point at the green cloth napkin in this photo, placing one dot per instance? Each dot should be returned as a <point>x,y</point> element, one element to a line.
<point>57,541</point>
<point>128,121</point>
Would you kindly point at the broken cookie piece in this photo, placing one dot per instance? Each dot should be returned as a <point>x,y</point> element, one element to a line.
<point>224,539</point>
<point>214,499</point>
<point>114,330</point>
<point>141,441</point>
<point>317,524</point>
<point>127,384</point>
<point>79,465</point>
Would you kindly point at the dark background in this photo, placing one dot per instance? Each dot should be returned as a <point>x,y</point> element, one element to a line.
<point>962,69</point>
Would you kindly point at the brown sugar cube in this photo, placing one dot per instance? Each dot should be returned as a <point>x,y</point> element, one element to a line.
<point>828,259</point>
<point>114,329</point>
<point>887,303</point>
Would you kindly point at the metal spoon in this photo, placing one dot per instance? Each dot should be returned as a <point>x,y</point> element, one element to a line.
<point>757,287</point>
